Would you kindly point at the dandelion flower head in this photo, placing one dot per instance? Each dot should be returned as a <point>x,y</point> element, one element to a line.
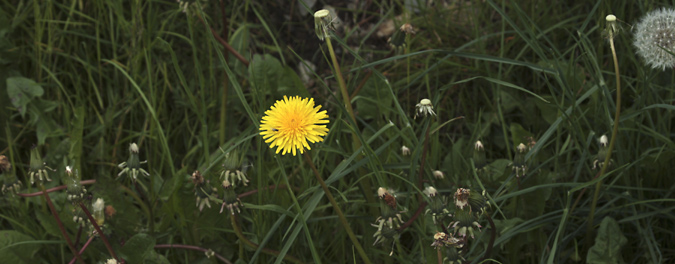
<point>655,36</point>
<point>291,122</point>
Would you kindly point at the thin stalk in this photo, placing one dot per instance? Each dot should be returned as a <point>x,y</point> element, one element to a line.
<point>242,238</point>
<point>615,130</point>
<point>60,224</point>
<point>439,254</point>
<point>493,235</point>
<point>91,238</point>
<point>425,149</point>
<point>341,216</point>
<point>99,232</point>
<point>58,188</point>
<point>196,248</point>
<point>356,143</point>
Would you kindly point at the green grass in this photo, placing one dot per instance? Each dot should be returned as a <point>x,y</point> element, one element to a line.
<point>117,72</point>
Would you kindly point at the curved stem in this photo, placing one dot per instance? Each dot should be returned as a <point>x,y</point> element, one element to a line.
<point>196,248</point>
<point>615,130</point>
<point>493,235</point>
<point>58,188</point>
<point>240,235</point>
<point>60,224</point>
<point>412,219</point>
<point>341,216</point>
<point>98,230</point>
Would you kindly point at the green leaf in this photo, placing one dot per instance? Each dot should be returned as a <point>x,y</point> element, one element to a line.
<point>21,91</point>
<point>137,248</point>
<point>16,247</point>
<point>608,243</point>
<point>290,84</point>
<point>374,100</point>
<point>264,73</point>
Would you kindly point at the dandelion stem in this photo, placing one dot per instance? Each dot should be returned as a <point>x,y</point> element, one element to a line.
<point>58,188</point>
<point>615,130</point>
<point>60,224</point>
<point>240,235</point>
<point>91,238</point>
<point>98,231</point>
<point>365,185</point>
<point>493,235</point>
<point>341,216</point>
<point>439,255</point>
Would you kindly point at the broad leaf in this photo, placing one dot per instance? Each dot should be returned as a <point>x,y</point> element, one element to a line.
<point>137,248</point>
<point>21,91</point>
<point>608,243</point>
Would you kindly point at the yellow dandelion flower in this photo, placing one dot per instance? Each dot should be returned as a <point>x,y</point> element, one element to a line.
<point>291,122</point>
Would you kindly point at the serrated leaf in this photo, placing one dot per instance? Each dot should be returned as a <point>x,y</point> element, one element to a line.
<point>137,248</point>
<point>48,223</point>
<point>12,250</point>
<point>21,91</point>
<point>608,243</point>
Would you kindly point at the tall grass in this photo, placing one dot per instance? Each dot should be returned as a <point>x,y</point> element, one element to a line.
<point>533,72</point>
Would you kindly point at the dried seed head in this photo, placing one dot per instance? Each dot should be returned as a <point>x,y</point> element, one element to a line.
<point>322,23</point>
<point>5,165</point>
<point>197,178</point>
<point>478,145</point>
<point>381,192</point>
<point>462,197</point>
<point>226,184</point>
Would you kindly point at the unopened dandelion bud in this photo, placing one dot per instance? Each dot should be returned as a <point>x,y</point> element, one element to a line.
<point>405,151</point>
<point>602,152</point>
<point>437,207</point>
<point>519,165</point>
<point>439,175</point>
<point>98,211</point>
<point>232,170</point>
<point>132,167</point>
<point>479,155</point>
<point>38,169</point>
<point>230,199</point>
<point>74,189</point>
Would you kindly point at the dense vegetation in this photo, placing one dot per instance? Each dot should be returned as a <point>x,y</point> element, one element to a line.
<point>185,85</point>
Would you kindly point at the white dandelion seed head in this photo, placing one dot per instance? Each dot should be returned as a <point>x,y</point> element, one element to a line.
<point>430,191</point>
<point>654,33</point>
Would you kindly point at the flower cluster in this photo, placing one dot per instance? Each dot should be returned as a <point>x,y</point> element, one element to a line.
<point>75,191</point>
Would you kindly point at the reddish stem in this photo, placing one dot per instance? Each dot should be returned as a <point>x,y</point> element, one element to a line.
<point>412,219</point>
<point>98,230</point>
<point>60,224</point>
<point>91,238</point>
<point>58,188</point>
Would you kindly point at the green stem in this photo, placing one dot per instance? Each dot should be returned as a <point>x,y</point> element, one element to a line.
<point>365,185</point>
<point>615,130</point>
<point>341,216</point>
<point>60,224</point>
